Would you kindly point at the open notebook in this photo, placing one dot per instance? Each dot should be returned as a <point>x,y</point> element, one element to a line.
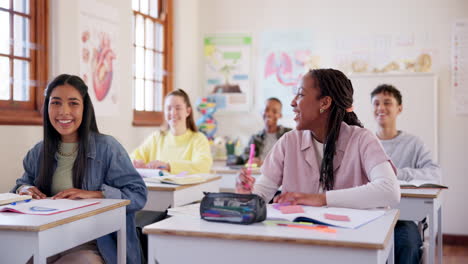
<point>180,179</point>
<point>420,184</point>
<point>46,206</point>
<point>7,198</point>
<point>332,216</point>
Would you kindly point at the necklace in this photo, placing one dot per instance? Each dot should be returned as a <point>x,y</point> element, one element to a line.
<point>60,151</point>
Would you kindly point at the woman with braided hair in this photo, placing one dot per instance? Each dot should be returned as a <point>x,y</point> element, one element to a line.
<point>329,159</point>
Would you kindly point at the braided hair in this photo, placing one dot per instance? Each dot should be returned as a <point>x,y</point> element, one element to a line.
<point>338,87</point>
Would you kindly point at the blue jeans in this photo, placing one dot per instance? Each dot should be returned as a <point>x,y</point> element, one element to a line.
<point>407,243</point>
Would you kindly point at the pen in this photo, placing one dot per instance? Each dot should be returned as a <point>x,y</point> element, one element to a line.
<point>23,201</point>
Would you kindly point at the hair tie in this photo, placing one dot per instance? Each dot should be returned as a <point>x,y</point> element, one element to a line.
<point>349,110</point>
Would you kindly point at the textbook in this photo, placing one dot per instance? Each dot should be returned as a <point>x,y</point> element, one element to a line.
<point>6,198</point>
<point>45,206</point>
<point>420,184</point>
<point>179,180</point>
<point>330,216</point>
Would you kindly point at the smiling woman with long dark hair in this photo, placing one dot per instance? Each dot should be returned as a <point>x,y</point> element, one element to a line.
<point>75,161</point>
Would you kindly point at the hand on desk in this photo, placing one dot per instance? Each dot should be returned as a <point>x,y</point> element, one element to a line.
<point>244,182</point>
<point>139,164</point>
<point>33,191</point>
<point>155,164</point>
<point>314,199</point>
<point>74,194</point>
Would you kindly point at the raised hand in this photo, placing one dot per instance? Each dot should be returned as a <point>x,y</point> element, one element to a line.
<point>244,182</point>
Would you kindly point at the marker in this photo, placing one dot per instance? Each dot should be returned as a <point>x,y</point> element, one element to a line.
<point>251,156</point>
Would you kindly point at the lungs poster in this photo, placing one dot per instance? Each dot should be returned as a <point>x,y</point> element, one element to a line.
<point>227,70</point>
<point>98,35</point>
<point>284,58</point>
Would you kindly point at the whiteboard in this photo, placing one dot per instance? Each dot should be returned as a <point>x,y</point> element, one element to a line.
<point>420,108</point>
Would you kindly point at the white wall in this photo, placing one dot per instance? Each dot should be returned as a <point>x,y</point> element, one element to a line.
<point>15,141</point>
<point>331,19</point>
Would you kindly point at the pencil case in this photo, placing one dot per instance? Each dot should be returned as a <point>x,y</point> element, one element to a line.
<point>233,208</point>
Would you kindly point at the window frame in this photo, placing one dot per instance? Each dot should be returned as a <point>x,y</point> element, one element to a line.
<point>156,118</point>
<point>30,112</point>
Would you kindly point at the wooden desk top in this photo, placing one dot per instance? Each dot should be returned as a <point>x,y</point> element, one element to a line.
<point>421,192</point>
<point>36,223</point>
<point>374,235</point>
<point>167,187</point>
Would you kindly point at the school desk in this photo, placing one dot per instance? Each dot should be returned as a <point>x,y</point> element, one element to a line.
<point>182,239</point>
<point>163,195</point>
<point>43,236</point>
<point>415,205</point>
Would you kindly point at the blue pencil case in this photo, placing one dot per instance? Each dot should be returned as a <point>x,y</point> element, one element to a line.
<point>233,208</point>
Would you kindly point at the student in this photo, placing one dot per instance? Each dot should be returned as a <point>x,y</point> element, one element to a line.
<point>267,137</point>
<point>410,156</point>
<point>329,159</point>
<point>180,149</point>
<point>75,161</point>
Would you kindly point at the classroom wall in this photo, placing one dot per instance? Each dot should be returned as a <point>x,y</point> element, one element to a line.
<point>330,19</point>
<point>15,141</point>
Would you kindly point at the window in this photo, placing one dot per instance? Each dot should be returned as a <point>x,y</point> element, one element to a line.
<point>23,60</point>
<point>152,71</point>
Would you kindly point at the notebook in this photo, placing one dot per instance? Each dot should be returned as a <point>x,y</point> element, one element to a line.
<point>46,206</point>
<point>420,184</point>
<point>331,216</point>
<point>184,180</point>
<point>179,180</point>
<point>6,198</point>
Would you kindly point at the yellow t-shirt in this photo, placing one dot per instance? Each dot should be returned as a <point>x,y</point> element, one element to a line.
<point>189,152</point>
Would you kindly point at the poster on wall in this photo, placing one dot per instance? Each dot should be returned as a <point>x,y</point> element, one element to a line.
<point>284,58</point>
<point>98,35</point>
<point>227,70</point>
<point>357,52</point>
<point>460,66</point>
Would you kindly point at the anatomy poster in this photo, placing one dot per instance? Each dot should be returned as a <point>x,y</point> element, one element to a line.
<point>284,58</point>
<point>98,35</point>
<point>227,70</point>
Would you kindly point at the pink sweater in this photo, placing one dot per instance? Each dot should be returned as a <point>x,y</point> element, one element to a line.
<point>293,164</point>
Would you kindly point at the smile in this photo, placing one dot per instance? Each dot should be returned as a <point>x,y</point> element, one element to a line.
<point>64,121</point>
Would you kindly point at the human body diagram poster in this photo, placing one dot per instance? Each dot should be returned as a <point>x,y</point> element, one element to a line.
<point>284,58</point>
<point>98,35</point>
<point>227,70</point>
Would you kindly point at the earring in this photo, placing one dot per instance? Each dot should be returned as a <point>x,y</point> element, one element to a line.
<point>321,110</point>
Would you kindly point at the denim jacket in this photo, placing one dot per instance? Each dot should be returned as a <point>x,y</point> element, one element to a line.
<point>110,171</point>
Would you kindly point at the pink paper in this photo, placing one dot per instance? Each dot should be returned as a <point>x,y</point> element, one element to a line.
<point>335,217</point>
<point>291,209</point>
<point>277,206</point>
